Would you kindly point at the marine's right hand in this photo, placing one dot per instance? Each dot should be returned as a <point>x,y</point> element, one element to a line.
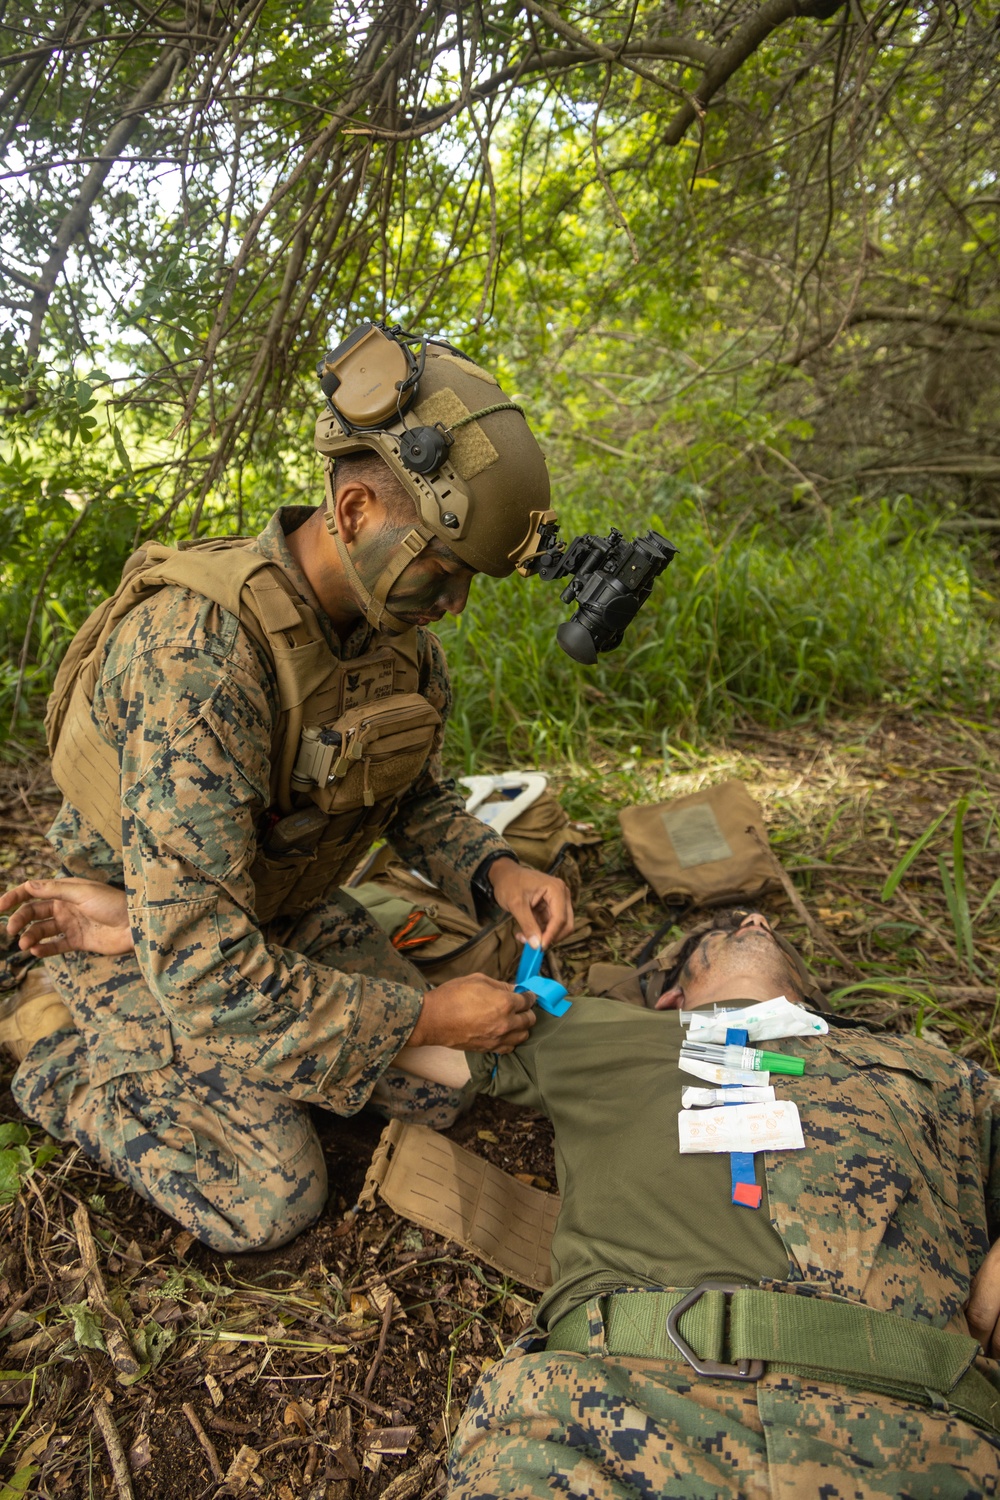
<point>476,1014</point>
<point>57,916</point>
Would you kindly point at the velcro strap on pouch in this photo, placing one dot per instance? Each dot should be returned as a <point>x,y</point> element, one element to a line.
<point>426,1178</point>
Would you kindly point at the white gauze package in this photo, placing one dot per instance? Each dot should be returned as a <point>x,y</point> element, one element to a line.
<point>741,1127</point>
<point>702,1098</point>
<point>762,1023</point>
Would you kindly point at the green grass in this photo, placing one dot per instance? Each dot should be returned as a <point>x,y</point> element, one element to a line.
<point>751,625</point>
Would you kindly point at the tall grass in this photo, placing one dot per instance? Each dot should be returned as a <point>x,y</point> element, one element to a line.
<point>758,626</point>
<point>756,623</point>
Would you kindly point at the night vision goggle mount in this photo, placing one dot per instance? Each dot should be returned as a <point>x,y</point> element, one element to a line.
<point>610,580</point>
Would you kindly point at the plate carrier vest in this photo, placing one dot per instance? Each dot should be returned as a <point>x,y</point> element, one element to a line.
<point>350,738</point>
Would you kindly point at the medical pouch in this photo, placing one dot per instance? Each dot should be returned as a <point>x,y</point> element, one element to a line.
<point>538,834</point>
<point>370,755</point>
<point>699,850</point>
<point>408,909</point>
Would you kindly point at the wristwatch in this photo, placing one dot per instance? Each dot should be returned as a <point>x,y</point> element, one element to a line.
<point>482,890</point>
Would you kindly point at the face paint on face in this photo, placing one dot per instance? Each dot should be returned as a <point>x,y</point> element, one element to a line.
<point>753,937</point>
<point>431,586</point>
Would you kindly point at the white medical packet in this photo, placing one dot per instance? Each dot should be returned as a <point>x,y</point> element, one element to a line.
<point>741,1127</point>
<point>701,1098</point>
<point>762,1023</point>
<point>716,1073</point>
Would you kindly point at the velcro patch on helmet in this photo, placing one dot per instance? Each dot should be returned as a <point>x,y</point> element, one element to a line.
<point>472,451</point>
<point>465,365</point>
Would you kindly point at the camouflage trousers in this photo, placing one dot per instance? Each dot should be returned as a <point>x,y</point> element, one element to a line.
<point>594,1427</point>
<point>235,1161</point>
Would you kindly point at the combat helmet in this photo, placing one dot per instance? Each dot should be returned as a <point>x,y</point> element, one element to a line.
<point>460,448</point>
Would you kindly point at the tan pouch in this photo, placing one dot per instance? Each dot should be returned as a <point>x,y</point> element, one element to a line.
<point>371,754</point>
<point>426,1178</point>
<point>696,850</point>
<point>463,945</point>
<point>539,833</point>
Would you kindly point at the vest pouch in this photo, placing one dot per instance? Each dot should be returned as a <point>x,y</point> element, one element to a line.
<point>699,849</point>
<point>460,946</point>
<point>274,876</point>
<point>369,756</point>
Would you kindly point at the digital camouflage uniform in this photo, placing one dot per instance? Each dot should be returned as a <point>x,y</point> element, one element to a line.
<point>193,1059</point>
<point>893,1203</point>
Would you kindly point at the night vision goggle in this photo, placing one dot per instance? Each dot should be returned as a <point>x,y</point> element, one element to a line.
<point>371,382</point>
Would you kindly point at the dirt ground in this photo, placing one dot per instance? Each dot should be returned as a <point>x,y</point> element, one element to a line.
<point>133,1361</point>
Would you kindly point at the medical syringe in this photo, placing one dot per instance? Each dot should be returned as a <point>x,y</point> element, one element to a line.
<point>746,1059</point>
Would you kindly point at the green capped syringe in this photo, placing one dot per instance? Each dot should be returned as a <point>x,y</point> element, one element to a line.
<point>746,1059</point>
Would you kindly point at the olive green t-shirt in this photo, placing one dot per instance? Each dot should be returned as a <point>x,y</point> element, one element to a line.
<point>635,1212</point>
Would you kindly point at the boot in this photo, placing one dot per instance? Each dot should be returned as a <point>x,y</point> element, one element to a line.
<point>29,1012</point>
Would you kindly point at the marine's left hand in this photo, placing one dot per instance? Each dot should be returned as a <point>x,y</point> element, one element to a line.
<point>540,904</point>
<point>983,1307</point>
<point>67,914</point>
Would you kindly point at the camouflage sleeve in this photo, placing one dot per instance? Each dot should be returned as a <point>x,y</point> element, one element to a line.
<point>431,830</point>
<point>986,1102</point>
<point>190,704</point>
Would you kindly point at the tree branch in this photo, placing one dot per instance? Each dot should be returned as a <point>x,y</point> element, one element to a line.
<point>75,220</point>
<point>895,315</point>
<point>772,14</point>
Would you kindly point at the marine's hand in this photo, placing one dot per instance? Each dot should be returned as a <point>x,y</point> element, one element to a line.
<point>540,904</point>
<point>477,1014</point>
<point>983,1307</point>
<point>56,916</point>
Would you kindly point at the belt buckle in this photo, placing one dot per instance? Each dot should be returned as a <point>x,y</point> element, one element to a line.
<point>747,1369</point>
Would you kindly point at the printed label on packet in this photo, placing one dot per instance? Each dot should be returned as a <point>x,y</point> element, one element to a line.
<point>741,1127</point>
<point>716,1073</point>
<point>702,1098</point>
<point>762,1023</point>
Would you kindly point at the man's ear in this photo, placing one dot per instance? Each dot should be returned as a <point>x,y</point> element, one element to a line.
<point>672,999</point>
<point>356,504</point>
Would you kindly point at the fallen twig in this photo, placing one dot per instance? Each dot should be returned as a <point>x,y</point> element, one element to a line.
<point>119,1347</point>
<point>205,1441</point>
<point>373,1367</point>
<point>816,929</point>
<point>116,1453</point>
<point>410,1483</point>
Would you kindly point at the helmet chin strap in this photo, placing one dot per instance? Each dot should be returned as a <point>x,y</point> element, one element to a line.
<point>372,600</point>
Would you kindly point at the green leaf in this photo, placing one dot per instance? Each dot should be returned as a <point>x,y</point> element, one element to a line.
<point>17,1484</point>
<point>15,1165</point>
<point>963,917</point>
<point>47,1151</point>
<point>13,1134</point>
<point>911,854</point>
<point>86,1329</point>
<point>987,900</point>
<point>122,452</point>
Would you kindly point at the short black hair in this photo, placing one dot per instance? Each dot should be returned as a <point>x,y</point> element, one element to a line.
<point>366,467</point>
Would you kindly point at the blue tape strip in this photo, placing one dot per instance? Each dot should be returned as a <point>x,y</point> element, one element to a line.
<point>530,964</point>
<point>741,1163</point>
<point>550,995</point>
